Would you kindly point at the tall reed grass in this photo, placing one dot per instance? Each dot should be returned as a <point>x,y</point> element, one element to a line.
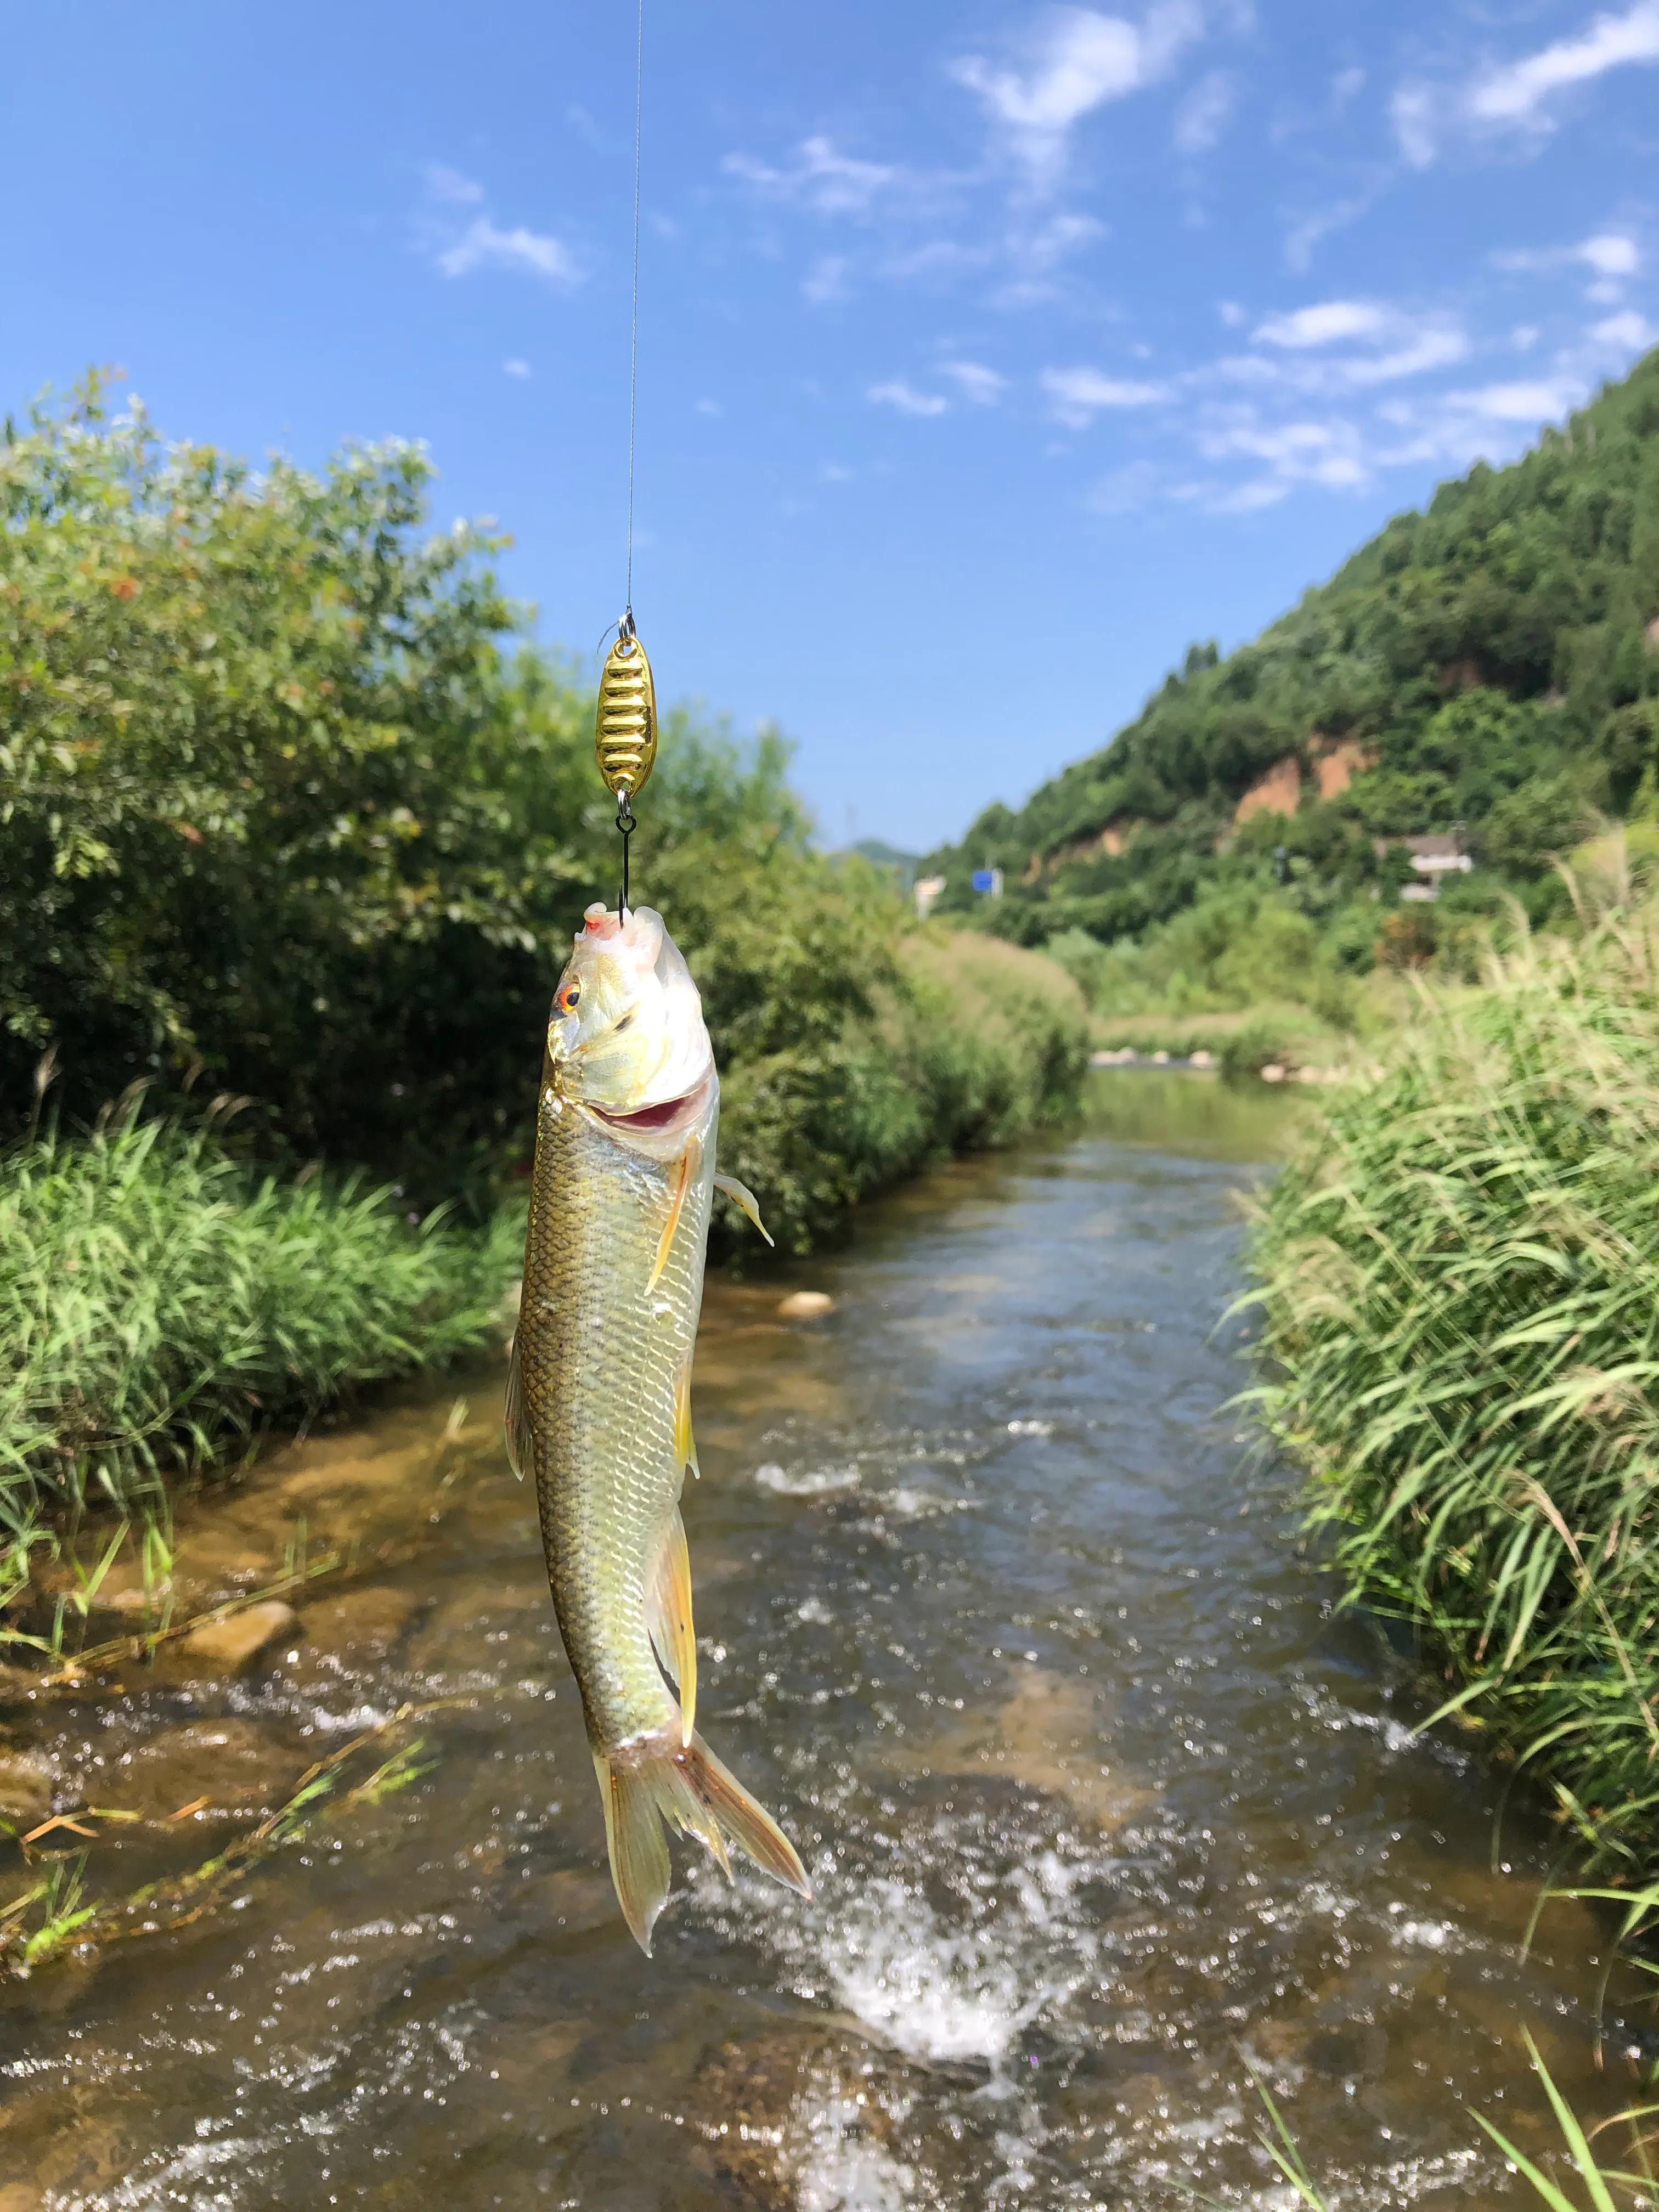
<point>1459,1272</point>
<point>157,1303</point>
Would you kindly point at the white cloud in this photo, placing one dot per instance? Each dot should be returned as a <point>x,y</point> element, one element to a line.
<point>1515,94</point>
<point>1324,325</point>
<point>709,407</point>
<point>1519,95</point>
<point>898,393</point>
<point>1080,61</point>
<point>514,366</point>
<point>1414,113</point>
<point>1610,255</point>
<point>1537,403</point>
<point>1231,313</point>
<point>481,245</point>
<point>460,247</point>
<point>1076,396</point>
<point>826,281</point>
<point>1627,330</point>
<point>980,387</point>
<point>452,187</point>
<point>1329,453</point>
<point>822,177</point>
<point>1205,113</point>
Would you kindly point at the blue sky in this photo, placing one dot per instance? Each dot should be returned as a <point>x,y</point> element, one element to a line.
<point>989,353</point>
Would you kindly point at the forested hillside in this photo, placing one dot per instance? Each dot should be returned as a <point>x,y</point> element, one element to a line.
<point>1492,663</point>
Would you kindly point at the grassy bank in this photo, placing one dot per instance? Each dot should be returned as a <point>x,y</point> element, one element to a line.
<point>158,1303</point>
<point>1459,1272</point>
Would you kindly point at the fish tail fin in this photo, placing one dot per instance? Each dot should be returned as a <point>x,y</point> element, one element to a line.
<point>660,1781</point>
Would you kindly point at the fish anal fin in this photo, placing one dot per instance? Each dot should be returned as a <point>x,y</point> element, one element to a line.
<point>520,1436</point>
<point>655,1782</point>
<point>676,1207</point>
<point>744,1199</point>
<point>668,1619</point>
<point>685,1444</point>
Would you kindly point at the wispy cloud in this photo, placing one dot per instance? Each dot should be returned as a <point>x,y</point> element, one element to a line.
<point>1076,396</point>
<point>822,177</point>
<point>825,282</point>
<point>483,244</point>
<point>460,247</point>
<point>514,366</point>
<point>1077,61</point>
<point>1205,112</point>
<point>900,394</point>
<point>1523,96</point>
<point>1323,324</point>
<point>979,386</point>
<point>451,186</point>
<point>1521,93</point>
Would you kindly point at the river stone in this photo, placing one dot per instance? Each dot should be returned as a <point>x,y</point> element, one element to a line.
<point>234,1764</point>
<point>764,2106</point>
<point>237,1640</point>
<point>806,1305</point>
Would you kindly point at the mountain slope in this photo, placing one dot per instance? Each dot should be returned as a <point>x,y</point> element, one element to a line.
<point>1492,663</point>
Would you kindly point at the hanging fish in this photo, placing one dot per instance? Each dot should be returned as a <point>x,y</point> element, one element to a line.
<point>598,1391</point>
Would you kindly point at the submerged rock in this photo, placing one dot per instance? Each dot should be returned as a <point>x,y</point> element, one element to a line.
<point>806,1305</point>
<point>229,1769</point>
<point>237,1640</point>
<point>26,1788</point>
<point>799,2112</point>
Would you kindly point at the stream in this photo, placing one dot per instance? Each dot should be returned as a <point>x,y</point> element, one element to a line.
<point>1106,1810</point>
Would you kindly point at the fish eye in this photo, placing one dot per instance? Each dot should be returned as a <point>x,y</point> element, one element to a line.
<point>569,997</point>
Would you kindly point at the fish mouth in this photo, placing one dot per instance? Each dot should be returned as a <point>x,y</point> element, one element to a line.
<point>654,1119</point>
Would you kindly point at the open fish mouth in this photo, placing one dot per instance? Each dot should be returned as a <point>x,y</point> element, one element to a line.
<point>666,1115</point>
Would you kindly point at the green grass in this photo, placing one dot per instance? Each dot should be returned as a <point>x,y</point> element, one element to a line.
<point>158,1304</point>
<point>1459,1275</point>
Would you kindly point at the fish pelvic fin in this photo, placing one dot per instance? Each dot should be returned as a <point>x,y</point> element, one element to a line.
<point>668,1619</point>
<point>683,1175</point>
<point>744,1199</point>
<point>520,1436</point>
<point>654,1782</point>
<point>685,1444</point>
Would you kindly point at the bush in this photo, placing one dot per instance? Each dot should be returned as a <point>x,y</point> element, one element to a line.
<point>1460,1275</point>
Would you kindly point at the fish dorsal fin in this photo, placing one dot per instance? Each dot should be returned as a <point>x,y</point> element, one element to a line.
<point>520,1436</point>
<point>743,1199</point>
<point>683,1175</point>
<point>668,1619</point>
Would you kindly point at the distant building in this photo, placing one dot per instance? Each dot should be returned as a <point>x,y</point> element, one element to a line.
<point>927,889</point>
<point>1432,857</point>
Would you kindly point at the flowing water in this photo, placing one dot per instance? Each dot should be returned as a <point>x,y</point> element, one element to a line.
<point>1106,1811</point>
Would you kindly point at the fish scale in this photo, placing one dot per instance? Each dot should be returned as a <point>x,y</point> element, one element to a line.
<point>602,1360</point>
<point>598,1402</point>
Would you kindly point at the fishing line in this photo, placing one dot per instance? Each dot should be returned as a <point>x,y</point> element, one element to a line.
<point>625,730</point>
<point>634,332</point>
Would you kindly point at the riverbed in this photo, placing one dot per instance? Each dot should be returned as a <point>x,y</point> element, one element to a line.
<point>1110,1815</point>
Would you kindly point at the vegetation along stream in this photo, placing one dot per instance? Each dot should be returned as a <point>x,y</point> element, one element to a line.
<point>1106,1810</point>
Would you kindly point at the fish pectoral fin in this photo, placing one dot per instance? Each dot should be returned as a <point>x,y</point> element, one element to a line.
<point>685,1444</point>
<point>520,1436</point>
<point>743,1199</point>
<point>676,1207</point>
<point>668,1621</point>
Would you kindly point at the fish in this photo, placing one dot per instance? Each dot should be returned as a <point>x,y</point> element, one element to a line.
<point>599,1395</point>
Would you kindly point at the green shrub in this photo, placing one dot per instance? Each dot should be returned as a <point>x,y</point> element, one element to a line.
<point>1460,1277</point>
